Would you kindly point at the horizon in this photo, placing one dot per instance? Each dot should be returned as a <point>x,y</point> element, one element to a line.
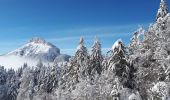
<point>63,22</point>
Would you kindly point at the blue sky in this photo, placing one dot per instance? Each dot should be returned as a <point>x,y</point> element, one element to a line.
<point>62,22</point>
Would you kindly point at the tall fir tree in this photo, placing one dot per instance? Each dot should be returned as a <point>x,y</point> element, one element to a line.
<point>135,41</point>
<point>122,68</point>
<point>80,61</point>
<point>96,58</point>
<point>78,67</point>
<point>163,10</point>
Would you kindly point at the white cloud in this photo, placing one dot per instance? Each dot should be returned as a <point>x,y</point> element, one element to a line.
<point>101,32</point>
<point>71,51</point>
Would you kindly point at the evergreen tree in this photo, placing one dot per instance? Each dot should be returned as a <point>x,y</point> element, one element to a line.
<point>3,75</point>
<point>82,59</point>
<point>79,63</point>
<point>10,75</point>
<point>19,72</point>
<point>136,41</point>
<point>12,92</point>
<point>13,87</point>
<point>163,10</point>
<point>96,59</point>
<point>51,80</point>
<point>26,89</point>
<point>38,74</point>
<point>77,68</point>
<point>123,68</point>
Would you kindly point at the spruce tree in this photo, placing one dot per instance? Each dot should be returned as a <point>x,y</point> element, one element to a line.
<point>53,79</point>
<point>82,59</point>
<point>163,10</point>
<point>79,63</point>
<point>136,41</point>
<point>96,58</point>
<point>77,67</point>
<point>3,75</point>
<point>122,68</point>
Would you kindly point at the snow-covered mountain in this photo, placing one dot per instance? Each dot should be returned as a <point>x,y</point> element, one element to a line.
<point>33,51</point>
<point>37,48</point>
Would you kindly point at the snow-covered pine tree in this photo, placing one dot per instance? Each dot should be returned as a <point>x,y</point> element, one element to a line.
<point>96,59</point>
<point>77,68</point>
<point>25,66</point>
<point>144,60</point>
<point>13,87</point>
<point>161,24</point>
<point>163,10</point>
<point>10,75</point>
<point>19,72</point>
<point>82,59</point>
<point>12,92</point>
<point>38,75</point>
<point>3,85</point>
<point>152,57</point>
<point>122,68</point>
<point>26,89</point>
<point>136,40</point>
<point>79,63</point>
<point>159,39</point>
<point>118,52</point>
<point>52,79</point>
<point>43,86</point>
<point>3,75</point>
